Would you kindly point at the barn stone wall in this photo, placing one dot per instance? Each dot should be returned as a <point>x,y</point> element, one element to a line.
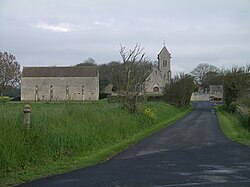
<point>59,88</point>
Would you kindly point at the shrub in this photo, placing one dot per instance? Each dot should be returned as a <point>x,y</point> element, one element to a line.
<point>103,95</point>
<point>4,99</point>
<point>233,107</point>
<point>155,98</point>
<point>180,90</point>
<point>243,114</point>
<point>234,82</point>
<point>146,115</point>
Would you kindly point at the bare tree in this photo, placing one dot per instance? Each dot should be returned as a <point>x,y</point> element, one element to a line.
<point>132,75</point>
<point>9,71</point>
<point>202,73</point>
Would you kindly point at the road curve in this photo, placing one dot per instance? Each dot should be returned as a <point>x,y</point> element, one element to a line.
<point>192,152</point>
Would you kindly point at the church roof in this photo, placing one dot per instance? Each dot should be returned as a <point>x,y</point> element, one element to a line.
<point>76,71</point>
<point>164,49</point>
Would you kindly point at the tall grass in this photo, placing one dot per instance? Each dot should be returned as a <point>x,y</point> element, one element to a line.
<point>65,130</point>
<point>232,126</point>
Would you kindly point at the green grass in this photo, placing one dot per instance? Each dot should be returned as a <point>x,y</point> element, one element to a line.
<point>232,127</point>
<point>66,136</point>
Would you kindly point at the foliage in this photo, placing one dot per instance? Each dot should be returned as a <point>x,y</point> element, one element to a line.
<point>12,91</point>
<point>205,74</point>
<point>180,90</point>
<point>9,71</point>
<point>234,82</point>
<point>70,133</point>
<point>244,101</point>
<point>4,99</point>
<point>155,98</point>
<point>146,115</point>
<point>110,73</point>
<point>88,62</point>
<point>243,113</point>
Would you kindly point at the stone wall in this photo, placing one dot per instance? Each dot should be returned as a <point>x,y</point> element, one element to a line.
<point>204,96</point>
<point>59,88</point>
<point>215,88</point>
<point>155,79</point>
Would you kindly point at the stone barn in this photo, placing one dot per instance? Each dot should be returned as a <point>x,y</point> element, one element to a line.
<point>160,75</point>
<point>76,83</point>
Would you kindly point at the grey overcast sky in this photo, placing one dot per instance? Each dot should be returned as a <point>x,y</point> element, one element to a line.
<point>65,32</point>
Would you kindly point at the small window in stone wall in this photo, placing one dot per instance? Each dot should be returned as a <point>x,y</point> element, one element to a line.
<point>51,92</point>
<point>36,93</point>
<point>67,92</point>
<point>83,98</point>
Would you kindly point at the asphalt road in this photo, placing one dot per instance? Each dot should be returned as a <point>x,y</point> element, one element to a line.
<point>192,152</point>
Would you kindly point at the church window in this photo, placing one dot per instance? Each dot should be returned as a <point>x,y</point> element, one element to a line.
<point>156,89</point>
<point>155,72</point>
<point>165,62</point>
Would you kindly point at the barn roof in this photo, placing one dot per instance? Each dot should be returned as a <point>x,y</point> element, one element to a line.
<point>76,71</point>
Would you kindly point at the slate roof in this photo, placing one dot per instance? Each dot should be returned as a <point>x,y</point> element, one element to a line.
<point>75,71</point>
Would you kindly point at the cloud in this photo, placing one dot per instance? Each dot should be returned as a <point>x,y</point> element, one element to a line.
<point>98,23</point>
<point>61,27</point>
<point>103,23</point>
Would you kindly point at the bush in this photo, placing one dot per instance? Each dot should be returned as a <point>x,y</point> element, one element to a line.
<point>103,95</point>
<point>180,90</point>
<point>146,115</point>
<point>235,82</point>
<point>114,99</point>
<point>233,107</point>
<point>243,114</point>
<point>121,99</point>
<point>4,99</point>
<point>155,98</point>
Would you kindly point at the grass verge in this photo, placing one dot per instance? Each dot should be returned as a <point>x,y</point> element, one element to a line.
<point>232,127</point>
<point>65,137</point>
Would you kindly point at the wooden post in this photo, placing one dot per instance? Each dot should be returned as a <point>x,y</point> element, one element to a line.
<point>26,116</point>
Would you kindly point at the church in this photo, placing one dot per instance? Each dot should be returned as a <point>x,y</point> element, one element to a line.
<point>160,75</point>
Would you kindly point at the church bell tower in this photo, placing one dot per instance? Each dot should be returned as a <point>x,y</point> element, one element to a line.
<point>164,64</point>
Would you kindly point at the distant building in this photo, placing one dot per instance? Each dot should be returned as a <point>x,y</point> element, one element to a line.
<point>160,75</point>
<point>215,89</point>
<point>60,83</point>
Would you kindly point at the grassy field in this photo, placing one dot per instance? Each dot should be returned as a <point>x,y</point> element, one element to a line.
<point>232,127</point>
<point>65,136</point>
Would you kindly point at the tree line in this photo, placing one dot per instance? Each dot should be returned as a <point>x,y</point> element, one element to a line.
<point>127,77</point>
